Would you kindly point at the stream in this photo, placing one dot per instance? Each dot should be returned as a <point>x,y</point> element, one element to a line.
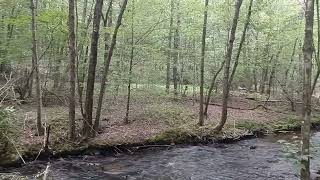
<point>272,157</point>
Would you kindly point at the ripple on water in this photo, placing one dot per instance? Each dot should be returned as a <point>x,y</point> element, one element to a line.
<point>222,162</point>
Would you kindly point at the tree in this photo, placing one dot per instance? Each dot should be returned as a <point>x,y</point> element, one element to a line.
<point>126,119</point>
<point>317,54</point>
<point>72,71</point>
<point>213,81</point>
<point>170,47</point>
<point>34,15</point>
<point>87,124</point>
<point>226,85</point>
<point>306,114</point>
<point>242,40</point>
<point>107,23</point>
<point>82,56</point>
<point>176,44</point>
<point>203,50</point>
<point>108,60</point>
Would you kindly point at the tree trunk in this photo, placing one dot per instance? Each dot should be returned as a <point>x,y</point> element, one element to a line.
<point>318,50</point>
<point>254,75</point>
<point>5,66</point>
<point>108,62</point>
<point>265,70</point>
<point>203,50</point>
<point>170,48</point>
<point>213,82</point>
<point>107,23</point>
<point>264,79</point>
<point>242,40</point>
<point>56,69</point>
<point>87,124</point>
<point>83,51</point>
<point>307,52</point>
<point>36,65</point>
<point>194,72</point>
<point>176,44</point>
<point>226,85</point>
<point>273,72</point>
<point>291,61</point>
<point>72,71</point>
<point>126,119</point>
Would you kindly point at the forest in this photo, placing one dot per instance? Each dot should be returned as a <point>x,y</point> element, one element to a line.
<point>159,89</point>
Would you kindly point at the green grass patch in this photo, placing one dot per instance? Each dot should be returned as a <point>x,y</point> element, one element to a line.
<point>254,127</point>
<point>170,113</point>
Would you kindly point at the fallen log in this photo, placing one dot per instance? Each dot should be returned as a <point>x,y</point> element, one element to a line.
<point>243,109</point>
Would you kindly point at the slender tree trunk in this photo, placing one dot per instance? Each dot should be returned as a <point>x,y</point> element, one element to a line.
<point>318,50</point>
<point>81,79</point>
<point>56,69</point>
<point>315,80</point>
<point>108,62</point>
<point>126,119</point>
<point>82,54</point>
<point>307,52</point>
<point>30,89</point>
<point>270,82</point>
<point>87,124</point>
<point>36,65</point>
<point>203,50</point>
<point>226,85</point>
<point>265,70</point>
<point>176,45</point>
<point>72,71</point>
<point>264,79</point>
<point>254,75</point>
<point>243,38</point>
<point>107,23</point>
<point>170,48</point>
<point>194,72</point>
<point>291,61</point>
<point>5,66</point>
<point>213,82</point>
<point>273,72</point>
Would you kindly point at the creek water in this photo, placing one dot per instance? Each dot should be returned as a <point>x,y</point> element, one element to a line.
<point>272,157</point>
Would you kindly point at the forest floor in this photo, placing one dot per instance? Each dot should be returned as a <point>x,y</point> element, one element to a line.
<point>155,118</point>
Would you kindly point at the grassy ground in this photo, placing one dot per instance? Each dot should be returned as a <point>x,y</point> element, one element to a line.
<point>154,118</point>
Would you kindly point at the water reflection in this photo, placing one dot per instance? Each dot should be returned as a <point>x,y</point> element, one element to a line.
<point>273,157</point>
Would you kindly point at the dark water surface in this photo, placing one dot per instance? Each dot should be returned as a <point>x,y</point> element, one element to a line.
<point>256,159</point>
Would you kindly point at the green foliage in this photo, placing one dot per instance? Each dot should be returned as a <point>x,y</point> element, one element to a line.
<point>7,128</point>
<point>291,123</point>
<point>191,133</point>
<point>254,127</point>
<point>172,113</point>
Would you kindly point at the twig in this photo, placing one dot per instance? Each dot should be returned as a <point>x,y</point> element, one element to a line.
<point>46,172</point>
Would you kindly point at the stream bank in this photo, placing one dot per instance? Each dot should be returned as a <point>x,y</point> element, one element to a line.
<point>269,159</point>
<point>183,135</point>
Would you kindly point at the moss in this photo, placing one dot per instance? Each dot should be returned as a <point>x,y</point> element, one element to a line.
<point>255,127</point>
<point>290,123</point>
<point>293,123</point>
<point>195,134</point>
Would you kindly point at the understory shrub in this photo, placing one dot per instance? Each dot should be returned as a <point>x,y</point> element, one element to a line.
<point>6,127</point>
